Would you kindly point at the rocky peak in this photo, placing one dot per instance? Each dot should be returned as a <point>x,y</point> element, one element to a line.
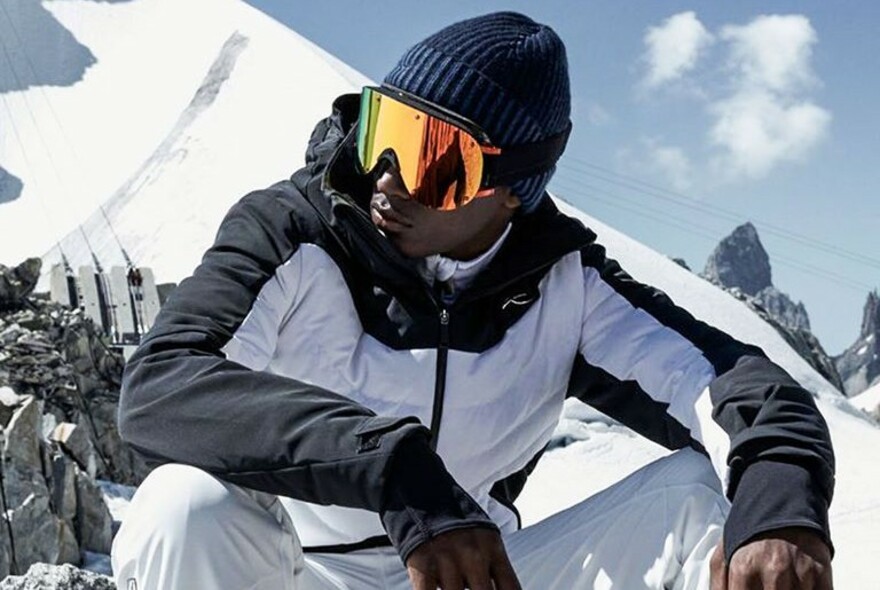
<point>859,365</point>
<point>741,266</point>
<point>740,261</point>
<point>871,317</point>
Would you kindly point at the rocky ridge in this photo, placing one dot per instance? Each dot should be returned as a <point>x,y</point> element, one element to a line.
<point>859,365</point>
<point>59,391</point>
<point>741,266</point>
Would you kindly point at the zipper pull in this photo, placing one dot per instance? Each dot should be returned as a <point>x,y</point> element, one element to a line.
<point>444,327</point>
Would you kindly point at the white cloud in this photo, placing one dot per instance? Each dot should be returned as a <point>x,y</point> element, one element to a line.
<point>760,115</point>
<point>757,130</point>
<point>773,52</point>
<point>673,48</point>
<point>765,120</point>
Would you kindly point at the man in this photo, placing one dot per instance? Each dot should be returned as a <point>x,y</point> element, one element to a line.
<point>372,356</point>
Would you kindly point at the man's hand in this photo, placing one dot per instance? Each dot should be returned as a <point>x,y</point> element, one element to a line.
<point>783,559</point>
<point>471,558</point>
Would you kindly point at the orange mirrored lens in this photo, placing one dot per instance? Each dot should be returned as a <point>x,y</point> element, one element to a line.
<point>440,163</point>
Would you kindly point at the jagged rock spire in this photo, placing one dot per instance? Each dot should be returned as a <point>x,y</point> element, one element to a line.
<point>871,317</point>
<point>741,265</point>
<point>740,261</point>
<point>859,365</point>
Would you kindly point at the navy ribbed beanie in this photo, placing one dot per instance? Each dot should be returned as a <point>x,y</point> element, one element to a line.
<point>504,72</point>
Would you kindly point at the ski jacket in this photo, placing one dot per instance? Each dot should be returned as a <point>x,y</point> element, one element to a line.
<point>306,357</point>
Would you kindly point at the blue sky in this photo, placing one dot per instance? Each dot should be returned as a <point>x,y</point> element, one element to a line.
<point>693,117</point>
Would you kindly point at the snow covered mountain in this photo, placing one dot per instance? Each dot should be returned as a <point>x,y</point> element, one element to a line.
<point>859,365</point>
<point>164,113</point>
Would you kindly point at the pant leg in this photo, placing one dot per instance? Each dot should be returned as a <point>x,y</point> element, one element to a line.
<point>187,529</point>
<point>655,529</point>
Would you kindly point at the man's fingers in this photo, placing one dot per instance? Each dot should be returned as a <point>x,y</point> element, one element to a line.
<point>504,576</point>
<point>466,558</point>
<point>382,213</point>
<point>480,582</point>
<point>825,579</point>
<point>475,569</point>
<point>404,206</point>
<point>808,583</point>
<point>782,580</point>
<point>450,575</point>
<point>718,569</point>
<point>744,580</point>
<point>421,580</point>
<point>388,225</point>
<point>814,574</point>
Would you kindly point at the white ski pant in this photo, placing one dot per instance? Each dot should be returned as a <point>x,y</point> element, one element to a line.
<point>187,530</point>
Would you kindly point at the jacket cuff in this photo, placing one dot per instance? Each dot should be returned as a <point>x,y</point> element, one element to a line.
<point>423,500</point>
<point>773,495</point>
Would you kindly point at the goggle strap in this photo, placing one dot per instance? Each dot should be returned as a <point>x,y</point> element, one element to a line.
<point>524,160</point>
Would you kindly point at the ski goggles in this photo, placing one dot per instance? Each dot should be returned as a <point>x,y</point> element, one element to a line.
<point>445,160</point>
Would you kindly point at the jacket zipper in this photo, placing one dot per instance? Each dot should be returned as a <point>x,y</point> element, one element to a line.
<point>440,379</point>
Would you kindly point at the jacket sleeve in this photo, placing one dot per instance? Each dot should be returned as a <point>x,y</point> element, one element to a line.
<point>680,382</point>
<point>183,400</point>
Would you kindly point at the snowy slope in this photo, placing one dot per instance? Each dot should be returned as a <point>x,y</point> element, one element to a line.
<point>188,106</point>
<point>868,400</point>
<point>183,107</point>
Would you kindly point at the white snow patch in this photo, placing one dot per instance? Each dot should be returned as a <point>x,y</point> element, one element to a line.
<point>868,400</point>
<point>117,497</point>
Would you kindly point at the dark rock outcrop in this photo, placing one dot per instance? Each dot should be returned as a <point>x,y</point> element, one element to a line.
<point>58,355</point>
<point>780,306</point>
<point>740,261</point>
<point>16,283</point>
<point>741,266</point>
<point>55,509</point>
<point>859,365</point>
<point>59,392</point>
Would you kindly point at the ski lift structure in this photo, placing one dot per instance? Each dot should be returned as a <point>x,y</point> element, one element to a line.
<point>122,303</point>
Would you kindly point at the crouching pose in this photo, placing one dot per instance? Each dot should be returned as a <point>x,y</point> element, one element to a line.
<point>353,386</point>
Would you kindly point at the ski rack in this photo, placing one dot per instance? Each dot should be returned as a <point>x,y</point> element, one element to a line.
<point>122,304</point>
